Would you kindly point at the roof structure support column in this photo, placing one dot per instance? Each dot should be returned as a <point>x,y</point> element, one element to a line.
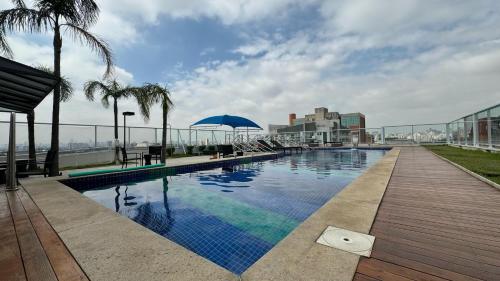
<point>11,156</point>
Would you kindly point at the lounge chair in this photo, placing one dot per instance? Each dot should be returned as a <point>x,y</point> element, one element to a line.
<point>265,144</point>
<point>125,157</point>
<point>225,150</point>
<point>155,152</point>
<point>279,146</point>
<point>49,158</point>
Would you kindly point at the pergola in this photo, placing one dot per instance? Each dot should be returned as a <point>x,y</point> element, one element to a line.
<point>22,88</point>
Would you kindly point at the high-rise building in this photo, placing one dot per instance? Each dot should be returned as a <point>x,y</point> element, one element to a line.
<point>355,122</point>
<point>323,127</point>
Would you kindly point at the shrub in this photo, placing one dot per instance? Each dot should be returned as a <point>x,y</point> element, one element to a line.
<point>170,151</point>
<point>209,150</point>
<point>201,148</point>
<point>189,149</point>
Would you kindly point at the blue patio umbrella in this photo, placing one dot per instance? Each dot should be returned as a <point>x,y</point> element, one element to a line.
<point>228,120</point>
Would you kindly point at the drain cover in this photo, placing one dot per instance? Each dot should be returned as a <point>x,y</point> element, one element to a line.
<point>346,240</point>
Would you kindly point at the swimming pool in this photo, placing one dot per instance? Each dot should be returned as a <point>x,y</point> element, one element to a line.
<point>234,214</point>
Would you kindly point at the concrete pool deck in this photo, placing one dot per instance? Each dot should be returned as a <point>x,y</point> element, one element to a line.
<point>108,246</point>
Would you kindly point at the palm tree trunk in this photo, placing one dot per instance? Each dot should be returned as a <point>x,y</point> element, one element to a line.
<point>117,148</point>
<point>164,136</point>
<point>31,140</point>
<point>54,143</point>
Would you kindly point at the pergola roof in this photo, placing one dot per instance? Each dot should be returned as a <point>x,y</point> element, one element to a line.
<point>23,87</point>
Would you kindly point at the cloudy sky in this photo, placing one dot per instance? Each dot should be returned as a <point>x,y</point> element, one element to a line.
<point>396,61</point>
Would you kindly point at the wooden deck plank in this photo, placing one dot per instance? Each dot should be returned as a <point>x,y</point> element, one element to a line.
<point>63,263</point>
<point>30,249</point>
<point>435,221</point>
<point>11,264</point>
<point>361,277</point>
<point>387,271</point>
<point>36,263</point>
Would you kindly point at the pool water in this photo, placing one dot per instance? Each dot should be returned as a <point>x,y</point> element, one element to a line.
<point>233,215</point>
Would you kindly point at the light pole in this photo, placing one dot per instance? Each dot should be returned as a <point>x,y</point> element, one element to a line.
<point>125,114</point>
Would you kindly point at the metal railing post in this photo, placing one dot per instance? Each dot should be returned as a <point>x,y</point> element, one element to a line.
<point>178,137</point>
<point>156,135</point>
<point>475,130</point>
<point>448,133</point>
<point>95,136</point>
<point>170,133</point>
<point>412,135</point>
<point>196,136</point>
<point>466,137</point>
<point>490,136</point>
<point>129,136</point>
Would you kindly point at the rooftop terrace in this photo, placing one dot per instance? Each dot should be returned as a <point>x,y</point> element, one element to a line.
<point>431,220</point>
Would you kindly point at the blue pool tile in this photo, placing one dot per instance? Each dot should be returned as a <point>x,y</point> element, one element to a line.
<point>230,212</point>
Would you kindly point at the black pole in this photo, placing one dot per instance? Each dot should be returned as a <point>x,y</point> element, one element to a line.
<point>124,130</point>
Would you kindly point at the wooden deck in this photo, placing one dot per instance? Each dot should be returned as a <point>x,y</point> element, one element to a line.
<point>30,249</point>
<point>435,222</point>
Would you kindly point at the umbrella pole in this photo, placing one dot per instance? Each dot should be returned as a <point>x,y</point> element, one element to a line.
<point>11,156</point>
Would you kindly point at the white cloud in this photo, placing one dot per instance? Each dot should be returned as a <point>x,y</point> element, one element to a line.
<point>297,75</point>
<point>79,65</point>
<point>227,11</point>
<point>255,48</point>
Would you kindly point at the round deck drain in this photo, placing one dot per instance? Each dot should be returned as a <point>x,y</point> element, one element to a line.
<point>347,240</point>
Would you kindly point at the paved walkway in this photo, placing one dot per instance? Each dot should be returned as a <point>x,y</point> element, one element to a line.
<point>435,222</point>
<point>29,248</point>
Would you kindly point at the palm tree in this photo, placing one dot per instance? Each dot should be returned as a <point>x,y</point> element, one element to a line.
<point>110,89</point>
<point>66,93</point>
<point>150,95</point>
<point>71,16</point>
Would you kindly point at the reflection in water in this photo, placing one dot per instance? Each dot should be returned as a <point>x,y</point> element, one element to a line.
<point>146,213</point>
<point>128,198</point>
<point>151,217</point>
<point>231,175</point>
<point>117,199</point>
<point>326,162</point>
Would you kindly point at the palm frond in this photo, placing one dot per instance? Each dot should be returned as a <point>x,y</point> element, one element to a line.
<point>23,19</point>
<point>105,100</point>
<point>65,84</point>
<point>95,43</point>
<point>143,99</point>
<point>60,9</point>
<point>66,89</point>
<point>89,12</point>
<point>19,3</point>
<point>152,94</point>
<point>4,46</point>
<point>91,87</point>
